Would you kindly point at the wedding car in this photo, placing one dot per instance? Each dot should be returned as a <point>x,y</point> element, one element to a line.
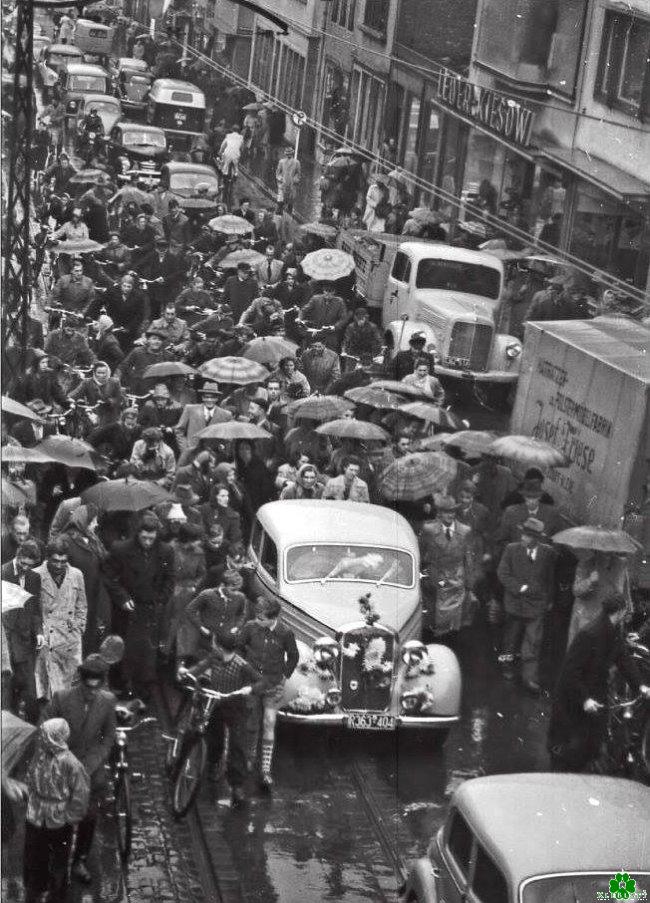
<point>347,575</point>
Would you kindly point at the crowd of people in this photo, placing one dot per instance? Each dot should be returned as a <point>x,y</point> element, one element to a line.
<point>170,586</point>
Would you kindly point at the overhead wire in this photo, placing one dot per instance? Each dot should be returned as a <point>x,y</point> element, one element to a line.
<point>459,203</point>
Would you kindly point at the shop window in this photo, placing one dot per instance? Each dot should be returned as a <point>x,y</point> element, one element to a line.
<point>488,883</point>
<point>375,15</point>
<point>460,843</point>
<point>411,129</point>
<point>368,95</point>
<point>336,103</point>
<point>342,13</point>
<point>623,71</point>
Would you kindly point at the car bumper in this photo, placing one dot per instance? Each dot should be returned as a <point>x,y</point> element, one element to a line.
<point>490,376</point>
<point>334,719</point>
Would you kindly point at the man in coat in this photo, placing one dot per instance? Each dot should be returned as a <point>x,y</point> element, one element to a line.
<point>447,554</point>
<point>165,266</point>
<point>140,578</point>
<point>89,710</point>
<point>321,367</point>
<point>348,486</point>
<point>578,714</point>
<point>240,290</point>
<point>526,571</point>
<point>128,308</point>
<point>327,313</point>
<point>23,628</point>
<point>196,417</point>
<point>269,271</point>
<point>404,361</point>
<point>74,292</point>
<point>514,515</point>
<point>131,370</point>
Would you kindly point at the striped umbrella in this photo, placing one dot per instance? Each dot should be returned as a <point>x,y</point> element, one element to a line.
<point>319,407</point>
<point>232,431</point>
<point>327,264</point>
<point>269,349</point>
<point>230,224</point>
<point>375,398</point>
<point>233,370</point>
<point>14,454</point>
<point>243,255</point>
<point>432,413</point>
<point>472,443</point>
<point>348,428</point>
<point>416,476</point>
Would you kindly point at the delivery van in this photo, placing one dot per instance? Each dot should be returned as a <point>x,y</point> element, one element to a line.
<point>584,386</point>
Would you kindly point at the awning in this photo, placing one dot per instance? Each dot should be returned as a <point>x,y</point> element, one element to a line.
<point>606,176</point>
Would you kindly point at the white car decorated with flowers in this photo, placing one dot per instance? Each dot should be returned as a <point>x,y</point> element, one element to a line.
<point>348,577</point>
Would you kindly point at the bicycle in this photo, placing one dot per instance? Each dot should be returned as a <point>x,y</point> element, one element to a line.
<point>187,752</point>
<point>122,774</point>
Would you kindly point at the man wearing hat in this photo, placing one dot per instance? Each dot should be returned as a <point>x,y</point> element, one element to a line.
<point>198,476</point>
<point>532,506</point>
<point>161,410</point>
<point>327,314</point>
<point>153,459</point>
<point>131,370</point>
<point>196,417</point>
<point>74,291</point>
<point>240,290</point>
<point>447,553</point>
<point>361,337</point>
<point>404,361</point>
<point>526,571</point>
<point>89,709</point>
<point>74,230</point>
<point>550,303</point>
<point>165,268</point>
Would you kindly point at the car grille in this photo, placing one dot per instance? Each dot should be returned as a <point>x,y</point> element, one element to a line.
<point>367,663</point>
<point>469,346</point>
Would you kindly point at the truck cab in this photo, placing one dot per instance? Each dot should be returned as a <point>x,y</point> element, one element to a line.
<point>453,296</point>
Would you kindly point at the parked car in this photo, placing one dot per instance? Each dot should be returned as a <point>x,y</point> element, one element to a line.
<point>347,575</point>
<point>136,152</point>
<point>536,838</point>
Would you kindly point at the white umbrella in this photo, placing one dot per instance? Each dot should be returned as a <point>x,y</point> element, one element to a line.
<point>13,596</point>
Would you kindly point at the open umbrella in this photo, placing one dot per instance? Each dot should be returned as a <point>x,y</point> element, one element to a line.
<point>432,413</point>
<point>68,451</point>
<point>168,368</point>
<point>131,195</point>
<point>89,177</point>
<point>11,406</point>
<point>319,407</point>
<point>229,432</point>
<point>529,451</point>
<point>243,255</point>
<point>197,203</point>
<point>320,229</point>
<point>375,398</point>
<point>416,476</point>
<point>597,539</point>
<point>348,428</point>
<point>399,388</point>
<point>472,443</point>
<point>13,596</point>
<point>125,495</point>
<point>16,735</point>
<point>16,454</point>
<point>230,224</point>
<point>434,443</point>
<point>253,107</point>
<point>13,496</point>
<point>83,246</point>
<point>235,370</point>
<point>269,349</point>
<point>327,264</point>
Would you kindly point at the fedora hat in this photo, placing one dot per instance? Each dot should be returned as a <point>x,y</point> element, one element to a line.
<point>531,489</point>
<point>209,389</point>
<point>445,503</point>
<point>533,526</point>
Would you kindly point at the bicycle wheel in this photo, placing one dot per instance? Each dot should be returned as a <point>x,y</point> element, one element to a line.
<point>180,729</point>
<point>188,775</point>
<point>123,814</point>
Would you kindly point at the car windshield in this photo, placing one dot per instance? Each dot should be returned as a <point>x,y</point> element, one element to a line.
<point>105,106</point>
<point>87,83</point>
<point>573,888</point>
<point>458,276</point>
<point>345,562</point>
<point>134,139</point>
<point>185,182</point>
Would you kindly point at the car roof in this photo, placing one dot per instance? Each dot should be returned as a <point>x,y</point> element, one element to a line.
<point>175,84</point>
<point>86,69</point>
<point>536,824</point>
<point>127,126</point>
<point>419,249</point>
<point>337,522</point>
<point>67,49</point>
<point>179,166</point>
<point>97,95</point>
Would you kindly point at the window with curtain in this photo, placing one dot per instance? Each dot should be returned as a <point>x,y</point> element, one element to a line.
<point>623,79</point>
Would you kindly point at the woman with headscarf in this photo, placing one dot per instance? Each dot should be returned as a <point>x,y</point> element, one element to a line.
<point>58,791</point>
<point>225,474</point>
<point>87,552</point>
<point>189,570</point>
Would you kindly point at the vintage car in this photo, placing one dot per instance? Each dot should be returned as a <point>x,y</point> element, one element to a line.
<point>136,152</point>
<point>57,56</point>
<point>347,575</point>
<point>79,80</point>
<point>133,80</point>
<point>538,838</point>
<point>93,37</point>
<point>109,109</point>
<point>178,107</point>
<point>194,185</point>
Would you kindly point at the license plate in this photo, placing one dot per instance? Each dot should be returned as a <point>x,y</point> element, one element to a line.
<point>370,721</point>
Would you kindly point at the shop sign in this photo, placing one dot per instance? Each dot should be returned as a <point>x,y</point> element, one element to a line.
<point>496,112</point>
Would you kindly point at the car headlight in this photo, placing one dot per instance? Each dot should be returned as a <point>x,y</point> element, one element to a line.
<point>410,701</point>
<point>413,652</point>
<point>333,697</point>
<point>325,651</point>
<point>72,106</point>
<point>513,350</point>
